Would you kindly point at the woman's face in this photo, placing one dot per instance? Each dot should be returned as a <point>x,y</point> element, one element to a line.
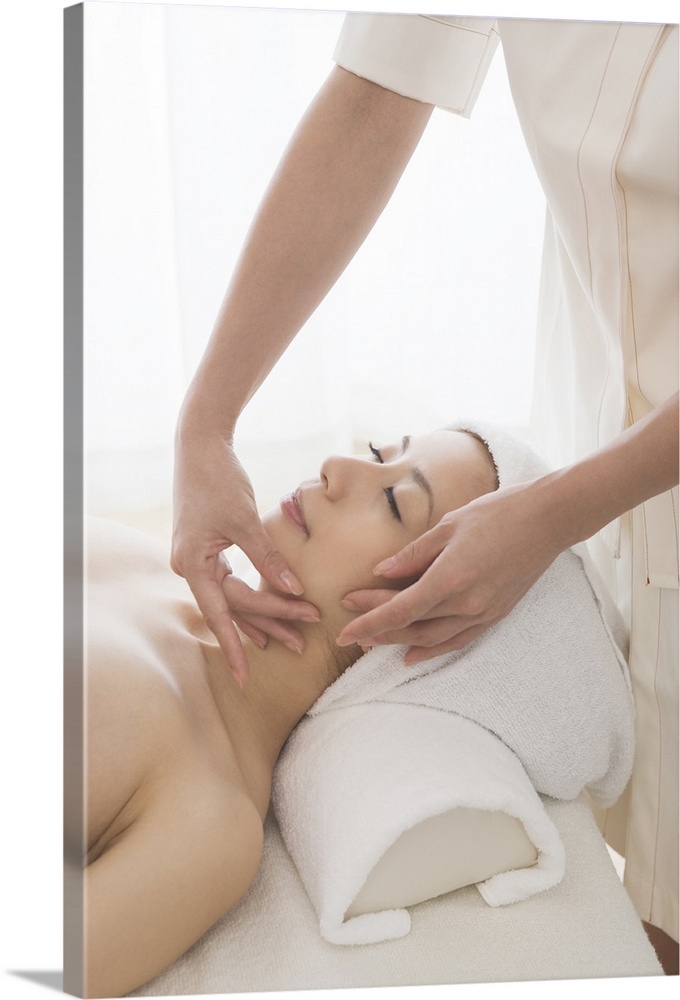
<point>334,530</point>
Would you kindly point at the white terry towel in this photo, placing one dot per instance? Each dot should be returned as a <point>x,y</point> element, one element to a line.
<point>350,782</point>
<point>548,686</point>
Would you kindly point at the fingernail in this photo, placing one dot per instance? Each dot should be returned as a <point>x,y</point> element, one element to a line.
<point>293,646</point>
<point>385,566</point>
<point>290,583</point>
<point>311,618</point>
<point>348,604</point>
<point>345,640</point>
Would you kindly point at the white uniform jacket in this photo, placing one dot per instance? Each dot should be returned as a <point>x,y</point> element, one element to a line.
<point>597,102</point>
<point>598,105</point>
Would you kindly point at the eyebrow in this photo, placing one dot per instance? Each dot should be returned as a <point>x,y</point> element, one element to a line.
<point>418,477</point>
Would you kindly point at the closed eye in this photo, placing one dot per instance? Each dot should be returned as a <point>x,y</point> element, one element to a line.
<point>389,493</point>
<point>389,490</point>
<point>376,453</point>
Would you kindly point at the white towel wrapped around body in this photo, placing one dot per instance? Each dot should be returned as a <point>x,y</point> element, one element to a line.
<point>541,702</point>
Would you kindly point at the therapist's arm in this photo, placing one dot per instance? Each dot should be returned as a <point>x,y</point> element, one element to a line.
<point>334,180</point>
<point>480,560</point>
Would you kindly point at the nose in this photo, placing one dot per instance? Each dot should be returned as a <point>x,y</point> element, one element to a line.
<point>339,473</point>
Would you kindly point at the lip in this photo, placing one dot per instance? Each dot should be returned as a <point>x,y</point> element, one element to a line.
<point>291,505</point>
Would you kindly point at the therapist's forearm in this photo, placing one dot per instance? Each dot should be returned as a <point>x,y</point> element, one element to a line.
<point>641,463</point>
<point>334,180</point>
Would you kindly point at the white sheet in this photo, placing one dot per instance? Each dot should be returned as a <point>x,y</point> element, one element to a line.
<point>584,928</point>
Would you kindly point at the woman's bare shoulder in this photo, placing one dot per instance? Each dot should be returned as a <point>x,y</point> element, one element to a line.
<point>113,549</point>
<point>144,672</point>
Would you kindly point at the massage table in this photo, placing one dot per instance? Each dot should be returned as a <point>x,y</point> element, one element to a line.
<point>584,928</point>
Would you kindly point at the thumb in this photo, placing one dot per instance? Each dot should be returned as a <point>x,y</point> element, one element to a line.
<point>414,558</point>
<point>366,600</point>
<point>269,562</point>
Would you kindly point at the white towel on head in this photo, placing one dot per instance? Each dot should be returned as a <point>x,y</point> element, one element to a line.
<point>541,702</point>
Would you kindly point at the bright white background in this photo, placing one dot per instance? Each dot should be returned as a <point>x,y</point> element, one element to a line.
<point>30,64</point>
<point>187,112</point>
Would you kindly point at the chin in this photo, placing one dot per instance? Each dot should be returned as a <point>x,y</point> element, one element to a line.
<point>277,527</point>
<point>271,516</point>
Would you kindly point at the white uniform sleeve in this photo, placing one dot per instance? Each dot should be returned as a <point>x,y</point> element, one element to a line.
<point>437,60</point>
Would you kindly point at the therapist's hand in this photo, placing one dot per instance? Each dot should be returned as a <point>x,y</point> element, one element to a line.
<point>480,560</point>
<point>213,508</point>
<point>476,564</point>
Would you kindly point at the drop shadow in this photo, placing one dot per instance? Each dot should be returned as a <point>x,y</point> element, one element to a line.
<point>51,980</point>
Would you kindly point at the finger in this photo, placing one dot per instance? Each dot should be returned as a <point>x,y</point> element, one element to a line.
<point>417,654</point>
<point>427,634</point>
<point>257,636</point>
<point>224,630</point>
<point>244,599</point>
<point>189,563</point>
<point>213,606</point>
<point>271,628</point>
<point>366,600</point>
<point>268,561</point>
<point>415,557</point>
<point>408,606</point>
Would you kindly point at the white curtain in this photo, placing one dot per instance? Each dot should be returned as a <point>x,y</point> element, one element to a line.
<point>187,111</point>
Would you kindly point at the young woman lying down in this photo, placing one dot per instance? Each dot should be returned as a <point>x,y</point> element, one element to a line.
<point>179,757</point>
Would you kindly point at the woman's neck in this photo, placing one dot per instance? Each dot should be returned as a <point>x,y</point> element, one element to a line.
<point>282,686</point>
